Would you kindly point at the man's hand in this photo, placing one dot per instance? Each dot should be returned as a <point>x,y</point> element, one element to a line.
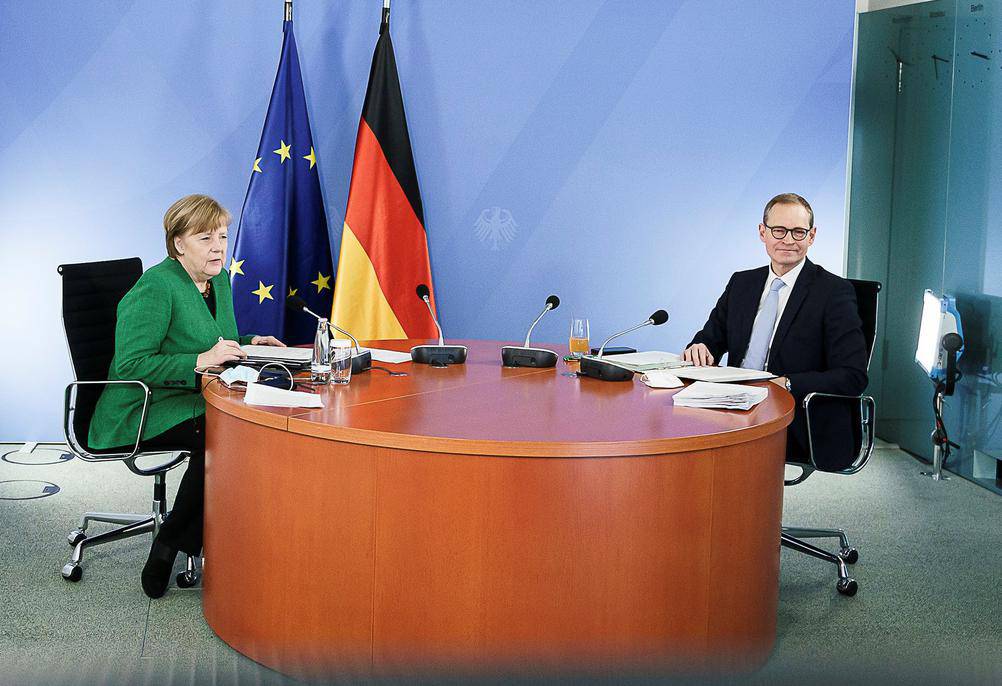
<point>267,340</point>
<point>698,354</point>
<point>780,381</point>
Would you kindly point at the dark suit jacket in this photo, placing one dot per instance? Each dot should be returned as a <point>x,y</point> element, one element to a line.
<point>818,346</point>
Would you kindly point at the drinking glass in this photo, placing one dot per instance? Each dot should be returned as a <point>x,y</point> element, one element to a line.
<point>578,342</point>
<point>340,361</point>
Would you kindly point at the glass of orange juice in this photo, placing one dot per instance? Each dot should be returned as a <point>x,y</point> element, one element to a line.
<point>578,342</point>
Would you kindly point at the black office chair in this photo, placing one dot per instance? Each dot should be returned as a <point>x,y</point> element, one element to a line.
<point>863,435</point>
<point>91,293</point>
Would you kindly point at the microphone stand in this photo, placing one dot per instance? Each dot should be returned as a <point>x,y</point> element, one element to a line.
<point>362,362</point>
<point>941,443</point>
<point>597,368</point>
<point>601,350</point>
<point>440,355</point>
<point>523,355</point>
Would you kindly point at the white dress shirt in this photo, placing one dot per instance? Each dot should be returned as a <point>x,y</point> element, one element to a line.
<point>790,278</point>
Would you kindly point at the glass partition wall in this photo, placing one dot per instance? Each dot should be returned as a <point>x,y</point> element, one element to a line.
<point>923,213</point>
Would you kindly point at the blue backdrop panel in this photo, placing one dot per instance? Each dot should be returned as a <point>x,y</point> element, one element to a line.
<point>615,153</point>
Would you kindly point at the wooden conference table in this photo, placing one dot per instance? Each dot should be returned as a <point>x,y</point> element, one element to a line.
<point>478,518</point>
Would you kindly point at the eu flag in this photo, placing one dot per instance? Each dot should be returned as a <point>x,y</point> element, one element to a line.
<point>282,246</point>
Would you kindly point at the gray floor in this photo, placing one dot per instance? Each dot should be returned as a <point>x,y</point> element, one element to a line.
<point>929,609</point>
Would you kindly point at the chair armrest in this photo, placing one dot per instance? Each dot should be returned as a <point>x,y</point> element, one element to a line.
<point>867,416</point>
<point>68,411</point>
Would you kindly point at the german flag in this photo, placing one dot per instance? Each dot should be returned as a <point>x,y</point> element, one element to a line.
<point>384,245</point>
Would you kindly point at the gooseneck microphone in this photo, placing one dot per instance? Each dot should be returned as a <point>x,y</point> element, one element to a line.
<point>523,355</point>
<point>597,368</point>
<point>424,294</point>
<point>440,355</point>
<point>656,319</point>
<point>361,361</point>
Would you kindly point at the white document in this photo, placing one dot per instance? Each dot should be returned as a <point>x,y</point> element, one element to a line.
<point>722,374</point>
<point>723,396</point>
<point>388,356</point>
<point>271,352</point>
<point>259,394</point>
<point>661,378</point>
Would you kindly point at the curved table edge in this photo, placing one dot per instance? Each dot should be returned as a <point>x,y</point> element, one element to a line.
<point>466,446</point>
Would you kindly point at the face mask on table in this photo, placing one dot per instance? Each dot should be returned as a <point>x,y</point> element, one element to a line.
<point>239,373</point>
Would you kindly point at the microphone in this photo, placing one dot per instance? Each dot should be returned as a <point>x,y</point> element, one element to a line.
<point>440,355</point>
<point>597,368</point>
<point>361,361</point>
<point>952,343</point>
<point>523,355</point>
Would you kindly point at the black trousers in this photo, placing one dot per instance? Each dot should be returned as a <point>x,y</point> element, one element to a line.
<point>182,529</point>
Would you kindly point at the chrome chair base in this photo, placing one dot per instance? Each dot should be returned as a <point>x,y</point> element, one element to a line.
<point>78,538</point>
<point>791,538</point>
<point>133,525</point>
<point>189,577</point>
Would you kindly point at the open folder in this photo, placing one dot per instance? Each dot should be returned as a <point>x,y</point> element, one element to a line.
<point>645,361</point>
<point>722,374</point>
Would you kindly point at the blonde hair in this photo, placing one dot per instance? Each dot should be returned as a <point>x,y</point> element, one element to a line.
<point>193,214</point>
<point>788,199</point>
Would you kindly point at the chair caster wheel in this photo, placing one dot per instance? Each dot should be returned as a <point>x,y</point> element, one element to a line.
<point>186,579</point>
<point>849,555</point>
<point>72,572</point>
<point>75,537</point>
<point>847,587</point>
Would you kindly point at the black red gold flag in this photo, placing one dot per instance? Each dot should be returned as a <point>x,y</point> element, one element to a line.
<point>384,244</point>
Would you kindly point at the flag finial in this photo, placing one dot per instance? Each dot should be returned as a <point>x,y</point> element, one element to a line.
<point>385,23</point>
<point>288,10</point>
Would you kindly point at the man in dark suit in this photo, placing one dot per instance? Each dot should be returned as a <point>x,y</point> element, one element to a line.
<point>797,321</point>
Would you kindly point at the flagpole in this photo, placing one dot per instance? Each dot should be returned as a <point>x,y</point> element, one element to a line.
<point>288,10</point>
<point>385,23</point>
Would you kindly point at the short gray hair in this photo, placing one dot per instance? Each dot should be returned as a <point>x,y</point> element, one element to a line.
<point>788,199</point>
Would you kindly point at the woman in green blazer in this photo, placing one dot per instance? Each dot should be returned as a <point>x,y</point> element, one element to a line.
<point>178,317</point>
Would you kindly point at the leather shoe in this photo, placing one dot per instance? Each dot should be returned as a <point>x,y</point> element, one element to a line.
<point>157,570</point>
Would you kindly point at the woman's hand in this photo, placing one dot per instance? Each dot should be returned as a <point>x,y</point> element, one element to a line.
<point>267,340</point>
<point>223,351</point>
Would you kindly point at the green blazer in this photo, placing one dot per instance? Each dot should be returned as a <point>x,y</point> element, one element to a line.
<point>163,325</point>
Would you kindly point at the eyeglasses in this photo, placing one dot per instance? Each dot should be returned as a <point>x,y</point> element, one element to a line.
<point>779,232</point>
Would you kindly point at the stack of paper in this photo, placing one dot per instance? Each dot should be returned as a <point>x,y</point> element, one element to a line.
<point>645,361</point>
<point>724,396</point>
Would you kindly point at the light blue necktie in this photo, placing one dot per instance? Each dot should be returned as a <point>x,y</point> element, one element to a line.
<point>761,333</point>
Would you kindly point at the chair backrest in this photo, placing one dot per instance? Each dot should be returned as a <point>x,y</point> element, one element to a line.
<point>866,302</point>
<point>861,415</point>
<point>91,293</point>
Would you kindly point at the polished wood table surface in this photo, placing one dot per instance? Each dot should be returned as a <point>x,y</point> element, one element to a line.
<point>482,518</point>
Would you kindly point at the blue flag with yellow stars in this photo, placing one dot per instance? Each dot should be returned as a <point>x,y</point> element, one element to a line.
<point>282,246</point>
